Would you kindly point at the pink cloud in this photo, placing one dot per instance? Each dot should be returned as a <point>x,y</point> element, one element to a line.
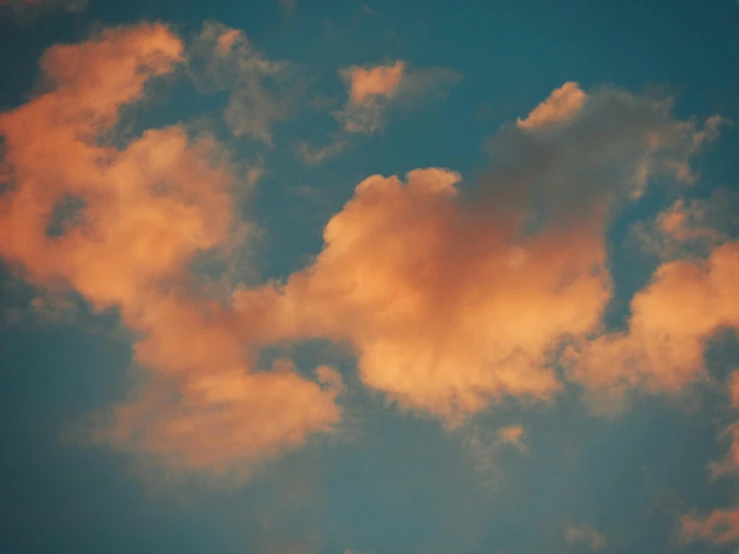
<point>719,527</point>
<point>370,82</point>
<point>450,299</point>
<point>686,302</point>
<point>445,308</point>
<point>513,434</point>
<point>147,209</point>
<point>562,104</point>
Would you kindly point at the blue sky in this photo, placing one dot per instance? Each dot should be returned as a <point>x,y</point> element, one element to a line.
<point>528,346</point>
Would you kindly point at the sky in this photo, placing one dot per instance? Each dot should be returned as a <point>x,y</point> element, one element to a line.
<point>321,277</point>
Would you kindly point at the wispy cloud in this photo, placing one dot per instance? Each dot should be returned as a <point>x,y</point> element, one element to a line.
<point>149,207</point>
<point>423,284</point>
<point>263,91</point>
<point>586,534</point>
<point>27,8</point>
<point>690,227</point>
<point>718,527</point>
<point>373,92</point>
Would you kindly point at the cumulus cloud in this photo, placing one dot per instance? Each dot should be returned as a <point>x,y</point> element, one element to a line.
<point>451,299</point>
<point>263,91</point>
<point>144,211</point>
<point>604,154</point>
<point>584,533</point>
<point>452,302</point>
<point>685,303</point>
<point>421,287</point>
<point>373,91</point>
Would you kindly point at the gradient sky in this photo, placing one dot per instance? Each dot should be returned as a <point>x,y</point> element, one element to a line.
<point>302,277</point>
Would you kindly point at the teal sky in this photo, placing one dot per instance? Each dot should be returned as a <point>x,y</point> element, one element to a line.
<point>213,341</point>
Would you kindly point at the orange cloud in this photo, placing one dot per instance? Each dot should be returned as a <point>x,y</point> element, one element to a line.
<point>446,308</point>
<point>561,105</point>
<point>24,6</point>
<point>373,91</point>
<point>512,434</point>
<point>719,527</point>
<point>690,227</point>
<point>141,214</point>
<point>450,304</point>
<point>686,302</point>
<point>367,83</point>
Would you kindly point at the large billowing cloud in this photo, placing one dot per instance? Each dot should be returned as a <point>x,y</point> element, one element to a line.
<point>453,301</point>
<point>446,308</point>
<point>121,226</point>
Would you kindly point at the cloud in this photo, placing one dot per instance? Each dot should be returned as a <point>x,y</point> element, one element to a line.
<point>374,91</point>
<point>262,91</point>
<point>484,445</point>
<point>452,302</point>
<point>734,388</point>
<point>367,84</point>
<point>604,155</point>
<point>314,156</point>
<point>685,303</point>
<point>53,308</point>
<point>690,227</point>
<point>583,533</point>
<point>561,105</point>
<point>144,211</point>
<point>451,299</point>
<point>730,464</point>
<point>719,527</point>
